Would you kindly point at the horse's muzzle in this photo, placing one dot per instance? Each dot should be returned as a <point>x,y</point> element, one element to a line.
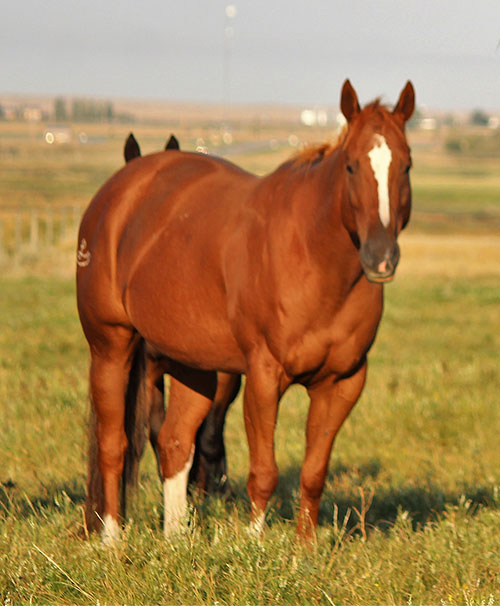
<point>379,260</point>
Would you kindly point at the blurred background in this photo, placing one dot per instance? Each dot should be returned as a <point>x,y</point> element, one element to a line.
<point>251,81</point>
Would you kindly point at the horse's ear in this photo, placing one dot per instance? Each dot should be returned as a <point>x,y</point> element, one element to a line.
<point>172,143</point>
<point>349,101</point>
<point>406,104</point>
<point>131,149</point>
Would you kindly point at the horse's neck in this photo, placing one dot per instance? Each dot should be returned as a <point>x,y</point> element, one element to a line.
<point>303,215</point>
<point>328,239</point>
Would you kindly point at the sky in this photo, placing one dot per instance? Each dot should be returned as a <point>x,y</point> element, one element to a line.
<point>281,51</point>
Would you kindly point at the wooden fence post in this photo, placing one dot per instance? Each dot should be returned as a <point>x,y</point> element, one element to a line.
<point>18,231</point>
<point>32,227</point>
<point>49,232</point>
<point>76,219</point>
<point>34,230</point>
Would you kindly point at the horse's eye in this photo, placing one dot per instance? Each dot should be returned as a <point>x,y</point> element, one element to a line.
<point>350,169</point>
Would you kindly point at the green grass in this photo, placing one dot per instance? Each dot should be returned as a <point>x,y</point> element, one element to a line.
<point>421,448</point>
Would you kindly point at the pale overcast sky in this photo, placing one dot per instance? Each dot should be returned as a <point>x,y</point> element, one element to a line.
<point>285,51</point>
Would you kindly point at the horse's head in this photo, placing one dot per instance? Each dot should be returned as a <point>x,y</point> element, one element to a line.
<point>376,163</point>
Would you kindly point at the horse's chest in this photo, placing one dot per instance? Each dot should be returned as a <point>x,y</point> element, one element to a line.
<point>336,345</point>
<point>350,342</point>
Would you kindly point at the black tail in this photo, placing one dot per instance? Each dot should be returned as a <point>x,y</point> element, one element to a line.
<point>94,502</point>
<point>136,423</point>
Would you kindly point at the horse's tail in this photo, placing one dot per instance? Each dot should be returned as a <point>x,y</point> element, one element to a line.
<point>94,503</point>
<point>136,421</point>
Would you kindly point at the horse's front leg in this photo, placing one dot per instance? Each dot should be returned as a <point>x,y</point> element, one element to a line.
<point>209,470</point>
<point>189,402</point>
<point>260,405</point>
<point>331,402</point>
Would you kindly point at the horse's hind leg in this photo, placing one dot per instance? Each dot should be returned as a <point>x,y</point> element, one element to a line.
<point>189,402</point>
<point>209,470</point>
<point>111,360</point>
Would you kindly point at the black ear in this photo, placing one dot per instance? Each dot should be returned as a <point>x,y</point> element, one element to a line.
<point>172,143</point>
<point>349,101</point>
<point>131,149</point>
<point>406,103</point>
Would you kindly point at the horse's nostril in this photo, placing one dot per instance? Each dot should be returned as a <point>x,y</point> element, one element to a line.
<point>383,267</point>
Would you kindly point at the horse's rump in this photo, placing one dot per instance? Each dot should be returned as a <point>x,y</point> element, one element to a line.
<point>141,224</point>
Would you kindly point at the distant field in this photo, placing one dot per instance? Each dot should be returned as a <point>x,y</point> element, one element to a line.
<point>50,186</point>
<point>420,450</point>
<point>451,193</point>
<point>455,194</point>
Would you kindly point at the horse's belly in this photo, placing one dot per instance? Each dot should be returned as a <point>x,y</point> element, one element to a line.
<point>196,348</point>
<point>183,321</point>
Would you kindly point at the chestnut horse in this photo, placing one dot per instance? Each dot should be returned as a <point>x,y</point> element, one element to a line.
<point>208,268</point>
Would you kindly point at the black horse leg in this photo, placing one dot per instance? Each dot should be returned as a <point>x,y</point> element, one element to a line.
<point>209,469</point>
<point>156,416</point>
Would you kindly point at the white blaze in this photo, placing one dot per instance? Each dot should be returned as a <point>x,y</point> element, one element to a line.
<point>175,498</point>
<point>380,159</point>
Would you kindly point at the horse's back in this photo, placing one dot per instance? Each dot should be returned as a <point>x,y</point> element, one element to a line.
<point>156,185</point>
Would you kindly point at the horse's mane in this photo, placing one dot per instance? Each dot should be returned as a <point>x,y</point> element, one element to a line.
<point>376,109</point>
<point>312,154</point>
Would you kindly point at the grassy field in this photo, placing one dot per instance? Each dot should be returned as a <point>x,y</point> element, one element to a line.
<point>411,509</point>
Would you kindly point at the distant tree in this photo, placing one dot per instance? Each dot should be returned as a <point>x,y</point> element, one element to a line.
<point>78,110</point>
<point>110,113</point>
<point>60,112</point>
<point>2,113</point>
<point>479,118</point>
<point>91,110</point>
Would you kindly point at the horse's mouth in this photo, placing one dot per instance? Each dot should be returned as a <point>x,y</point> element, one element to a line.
<point>380,268</point>
<point>379,278</point>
